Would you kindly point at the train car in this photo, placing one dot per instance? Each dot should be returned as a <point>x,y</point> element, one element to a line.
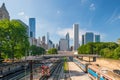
<point>45,70</point>
<point>96,73</point>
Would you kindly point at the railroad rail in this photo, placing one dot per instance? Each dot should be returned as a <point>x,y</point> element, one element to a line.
<point>57,72</point>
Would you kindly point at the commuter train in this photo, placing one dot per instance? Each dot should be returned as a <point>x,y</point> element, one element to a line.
<point>95,72</point>
<point>45,70</point>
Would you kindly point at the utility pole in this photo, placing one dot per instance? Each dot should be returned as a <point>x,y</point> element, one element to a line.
<point>31,71</point>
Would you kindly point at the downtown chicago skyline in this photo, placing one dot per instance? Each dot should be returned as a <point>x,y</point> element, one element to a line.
<point>57,17</point>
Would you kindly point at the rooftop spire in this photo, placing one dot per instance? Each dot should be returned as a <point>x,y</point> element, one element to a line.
<point>3,6</point>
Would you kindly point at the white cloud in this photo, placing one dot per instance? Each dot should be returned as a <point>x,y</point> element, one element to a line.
<point>63,32</point>
<point>21,13</point>
<point>119,17</point>
<point>92,7</point>
<point>83,2</point>
<point>24,16</point>
<point>114,17</point>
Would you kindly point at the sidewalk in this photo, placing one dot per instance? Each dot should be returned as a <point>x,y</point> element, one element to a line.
<point>76,73</point>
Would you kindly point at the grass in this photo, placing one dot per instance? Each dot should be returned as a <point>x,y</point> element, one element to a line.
<point>65,65</point>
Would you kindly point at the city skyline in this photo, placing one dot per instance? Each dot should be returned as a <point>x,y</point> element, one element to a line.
<point>57,17</point>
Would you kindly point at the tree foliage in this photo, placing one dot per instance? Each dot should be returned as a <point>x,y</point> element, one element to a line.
<point>37,50</point>
<point>105,49</point>
<point>52,51</point>
<point>13,39</point>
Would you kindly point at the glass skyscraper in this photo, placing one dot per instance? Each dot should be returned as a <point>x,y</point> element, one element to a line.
<point>32,27</point>
<point>97,38</point>
<point>89,37</point>
<point>76,36</point>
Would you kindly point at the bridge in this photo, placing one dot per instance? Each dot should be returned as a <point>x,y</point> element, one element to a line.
<point>62,54</point>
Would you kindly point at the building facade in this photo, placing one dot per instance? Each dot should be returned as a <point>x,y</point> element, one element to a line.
<point>43,39</point>
<point>83,39</point>
<point>27,27</point>
<point>3,12</point>
<point>76,36</point>
<point>32,25</point>
<point>51,45</point>
<point>63,43</point>
<point>89,37</point>
<point>97,38</point>
<point>68,39</point>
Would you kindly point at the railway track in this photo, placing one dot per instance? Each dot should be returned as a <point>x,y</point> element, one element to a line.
<point>56,74</point>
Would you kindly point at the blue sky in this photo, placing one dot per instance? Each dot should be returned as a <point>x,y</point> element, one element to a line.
<point>57,16</point>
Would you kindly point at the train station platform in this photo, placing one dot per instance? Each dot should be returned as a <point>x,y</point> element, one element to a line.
<point>76,73</point>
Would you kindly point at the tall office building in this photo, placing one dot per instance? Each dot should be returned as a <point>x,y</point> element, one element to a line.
<point>76,36</point>
<point>83,39</point>
<point>97,38</point>
<point>32,27</point>
<point>63,43</point>
<point>68,39</point>
<point>43,39</point>
<point>3,12</point>
<point>89,37</point>
<point>48,40</point>
<point>51,45</point>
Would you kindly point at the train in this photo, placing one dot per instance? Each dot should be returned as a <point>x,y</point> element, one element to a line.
<point>95,72</point>
<point>45,70</point>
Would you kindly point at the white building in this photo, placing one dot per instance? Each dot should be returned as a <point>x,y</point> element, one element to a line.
<point>76,36</point>
<point>63,45</point>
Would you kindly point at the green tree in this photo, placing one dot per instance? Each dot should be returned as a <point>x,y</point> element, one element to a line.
<point>14,38</point>
<point>105,49</point>
<point>52,51</point>
<point>117,53</point>
<point>37,50</point>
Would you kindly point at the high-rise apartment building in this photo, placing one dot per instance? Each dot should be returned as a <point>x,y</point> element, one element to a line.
<point>32,27</point>
<point>89,37</point>
<point>76,36</point>
<point>68,39</point>
<point>97,38</point>
<point>3,12</point>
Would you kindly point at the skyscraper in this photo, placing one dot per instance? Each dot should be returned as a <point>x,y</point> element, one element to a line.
<point>48,40</point>
<point>76,36</point>
<point>32,27</point>
<point>43,39</point>
<point>97,38</point>
<point>89,37</point>
<point>67,38</point>
<point>63,43</point>
<point>83,39</point>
